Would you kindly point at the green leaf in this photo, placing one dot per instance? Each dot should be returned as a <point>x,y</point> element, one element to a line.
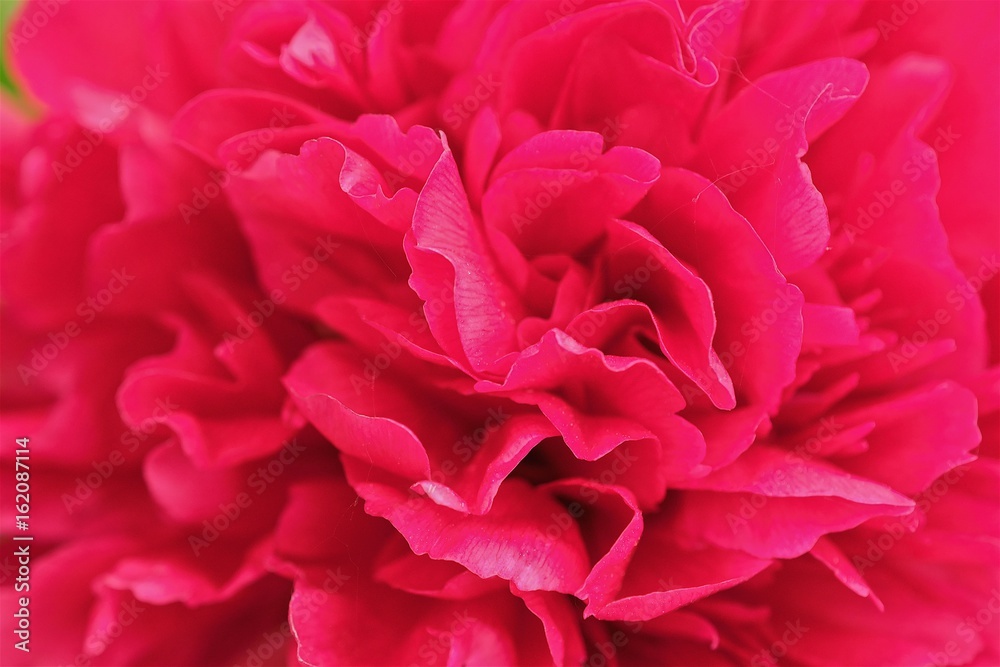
<point>7,8</point>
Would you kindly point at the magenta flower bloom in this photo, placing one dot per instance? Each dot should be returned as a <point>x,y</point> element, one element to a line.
<point>488,333</point>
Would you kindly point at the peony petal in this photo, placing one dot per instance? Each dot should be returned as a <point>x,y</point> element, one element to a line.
<point>752,148</point>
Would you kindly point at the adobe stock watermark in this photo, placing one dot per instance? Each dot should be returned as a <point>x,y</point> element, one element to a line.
<point>618,462</point>
<point>257,482</point>
<point>636,279</point>
<point>751,331</point>
<point>390,350</point>
<point>8,569</point>
<point>582,328</point>
<point>562,10</point>
<point>293,278</point>
<point>899,527</point>
<point>250,148</point>
<point>967,630</point>
<point>466,448</point>
<point>826,431</point>
<point>106,467</point>
<point>551,189</point>
<point>224,7</point>
<point>738,175</point>
<point>271,642</point>
<point>97,643</point>
<point>704,34</point>
<point>87,310</point>
<point>883,200</point>
<point>460,112</point>
<point>432,650</point>
<point>427,148</point>
<point>374,366</point>
<point>768,657</point>
<point>33,22</point>
<point>463,449</point>
<point>362,35</point>
<point>605,651</point>
<point>120,109</point>
<point>902,12</point>
<point>957,298</point>
<point>778,481</point>
<point>763,155</point>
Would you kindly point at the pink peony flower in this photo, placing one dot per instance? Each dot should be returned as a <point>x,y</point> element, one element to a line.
<point>413,333</point>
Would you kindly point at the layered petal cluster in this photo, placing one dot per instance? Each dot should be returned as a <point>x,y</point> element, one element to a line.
<point>573,333</point>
